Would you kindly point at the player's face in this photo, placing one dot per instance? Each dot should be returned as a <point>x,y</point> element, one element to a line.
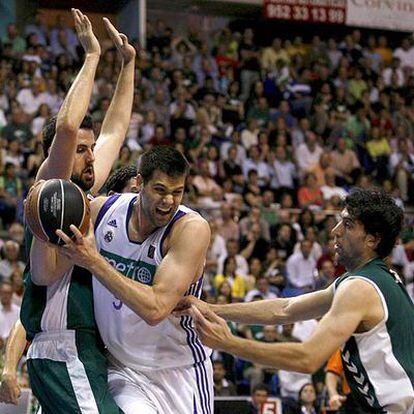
<point>161,196</point>
<point>350,241</point>
<point>83,173</point>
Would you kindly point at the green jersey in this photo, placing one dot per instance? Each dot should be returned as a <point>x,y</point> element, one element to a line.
<point>379,364</point>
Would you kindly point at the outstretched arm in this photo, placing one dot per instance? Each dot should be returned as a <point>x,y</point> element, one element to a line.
<point>355,301</point>
<point>59,162</point>
<point>116,122</point>
<point>9,388</point>
<point>268,312</point>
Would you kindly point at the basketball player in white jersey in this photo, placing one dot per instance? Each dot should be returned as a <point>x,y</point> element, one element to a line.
<point>148,252</point>
<point>70,150</point>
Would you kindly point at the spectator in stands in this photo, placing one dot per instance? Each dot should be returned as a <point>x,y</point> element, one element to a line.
<point>260,394</point>
<point>204,184</point>
<point>255,162</point>
<point>31,98</point>
<point>10,262</point>
<point>18,128</point>
<point>13,38</point>
<point>262,289</point>
<point>285,240</point>
<point>10,194</point>
<point>345,162</point>
<point>307,399</point>
<point>307,154</point>
<point>232,247</point>
<point>222,386</point>
<point>229,275</point>
<point>250,135</point>
<point>282,171</point>
<point>326,275</point>
<point>301,269</point>
<point>330,189</point>
<point>9,311</point>
<point>253,244</point>
<point>310,195</point>
<point>401,165</point>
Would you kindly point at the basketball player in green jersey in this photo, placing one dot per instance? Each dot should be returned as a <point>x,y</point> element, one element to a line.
<point>367,312</point>
<point>70,149</point>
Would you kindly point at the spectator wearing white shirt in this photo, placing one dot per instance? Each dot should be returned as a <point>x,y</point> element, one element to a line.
<point>262,289</point>
<point>9,311</point>
<point>405,53</point>
<point>282,172</point>
<point>235,141</point>
<point>250,135</point>
<point>307,154</point>
<point>401,165</point>
<point>395,68</point>
<point>330,189</point>
<point>31,98</point>
<point>254,162</point>
<point>301,268</point>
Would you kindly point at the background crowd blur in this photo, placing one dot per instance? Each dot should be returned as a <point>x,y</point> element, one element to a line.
<point>277,132</point>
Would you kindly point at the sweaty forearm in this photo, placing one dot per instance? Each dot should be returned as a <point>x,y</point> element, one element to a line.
<point>138,297</point>
<point>76,103</point>
<point>286,356</point>
<point>119,112</point>
<point>14,349</point>
<point>265,312</point>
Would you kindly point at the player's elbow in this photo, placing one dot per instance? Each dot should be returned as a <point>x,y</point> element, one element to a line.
<point>65,128</point>
<point>309,363</point>
<point>155,317</point>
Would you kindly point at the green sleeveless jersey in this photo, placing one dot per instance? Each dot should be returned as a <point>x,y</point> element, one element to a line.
<point>379,364</point>
<point>67,304</point>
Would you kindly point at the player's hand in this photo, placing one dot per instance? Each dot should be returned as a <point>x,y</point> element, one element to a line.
<point>80,250</point>
<point>85,33</point>
<point>9,389</point>
<point>336,401</point>
<point>184,305</point>
<point>212,330</point>
<point>126,51</point>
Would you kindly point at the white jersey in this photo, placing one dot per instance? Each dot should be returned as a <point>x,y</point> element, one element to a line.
<point>173,342</point>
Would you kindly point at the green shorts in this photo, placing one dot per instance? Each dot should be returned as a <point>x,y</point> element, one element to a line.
<point>68,374</point>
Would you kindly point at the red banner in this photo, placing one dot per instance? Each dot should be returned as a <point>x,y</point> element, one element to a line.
<point>314,11</point>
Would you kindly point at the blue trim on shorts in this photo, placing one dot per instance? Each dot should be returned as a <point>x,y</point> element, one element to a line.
<point>106,206</point>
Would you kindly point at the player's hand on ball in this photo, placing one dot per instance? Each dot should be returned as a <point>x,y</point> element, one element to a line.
<point>126,51</point>
<point>212,330</point>
<point>81,250</point>
<point>9,389</point>
<point>85,33</point>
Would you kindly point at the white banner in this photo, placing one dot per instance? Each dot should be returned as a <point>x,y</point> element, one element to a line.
<point>381,14</point>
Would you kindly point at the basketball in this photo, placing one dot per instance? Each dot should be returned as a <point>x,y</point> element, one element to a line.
<point>55,205</point>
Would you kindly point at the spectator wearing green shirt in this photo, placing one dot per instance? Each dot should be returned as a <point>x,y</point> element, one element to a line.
<point>10,194</point>
<point>13,38</point>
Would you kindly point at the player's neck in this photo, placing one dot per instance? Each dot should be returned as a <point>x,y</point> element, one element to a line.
<point>365,259</point>
<point>139,227</point>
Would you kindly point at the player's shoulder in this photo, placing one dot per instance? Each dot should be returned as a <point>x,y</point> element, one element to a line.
<point>190,222</point>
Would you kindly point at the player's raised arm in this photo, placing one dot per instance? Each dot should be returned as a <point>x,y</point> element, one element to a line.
<point>59,161</point>
<point>116,122</point>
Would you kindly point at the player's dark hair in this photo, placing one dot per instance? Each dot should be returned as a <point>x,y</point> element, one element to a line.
<point>164,159</point>
<point>49,131</point>
<point>119,178</point>
<point>260,387</point>
<point>379,214</point>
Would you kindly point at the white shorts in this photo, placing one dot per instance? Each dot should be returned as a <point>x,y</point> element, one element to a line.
<point>186,390</point>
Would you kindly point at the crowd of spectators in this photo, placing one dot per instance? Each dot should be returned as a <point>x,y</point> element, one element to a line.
<point>276,137</point>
